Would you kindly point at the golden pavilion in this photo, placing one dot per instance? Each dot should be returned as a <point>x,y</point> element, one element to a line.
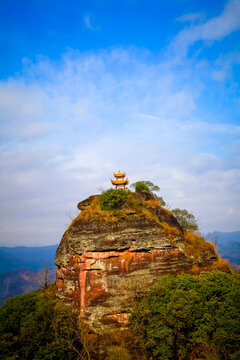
<point>120,181</point>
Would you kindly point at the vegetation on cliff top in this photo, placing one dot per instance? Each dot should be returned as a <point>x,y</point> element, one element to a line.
<point>196,244</point>
<point>113,199</point>
<point>148,187</point>
<point>120,205</point>
<point>141,202</point>
<point>124,205</point>
<point>186,219</point>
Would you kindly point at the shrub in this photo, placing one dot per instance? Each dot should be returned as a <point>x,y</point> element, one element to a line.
<point>186,219</point>
<point>148,187</point>
<point>113,199</point>
<point>161,201</point>
<point>145,186</point>
<point>118,353</point>
<point>190,317</point>
<point>36,326</point>
<point>195,244</point>
<point>140,186</point>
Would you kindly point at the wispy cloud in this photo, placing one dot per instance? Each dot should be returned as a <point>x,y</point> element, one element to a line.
<point>65,127</point>
<point>88,23</point>
<point>191,17</point>
<point>224,64</point>
<point>214,29</point>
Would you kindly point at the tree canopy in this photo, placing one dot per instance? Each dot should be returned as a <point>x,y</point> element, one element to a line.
<point>189,317</point>
<point>37,326</point>
<point>113,199</point>
<point>186,219</point>
<point>148,187</point>
<point>144,186</point>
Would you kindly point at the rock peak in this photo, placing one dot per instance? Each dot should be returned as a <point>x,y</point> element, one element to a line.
<point>107,259</point>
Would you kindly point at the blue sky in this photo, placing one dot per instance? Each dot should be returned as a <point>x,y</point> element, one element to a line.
<point>91,87</point>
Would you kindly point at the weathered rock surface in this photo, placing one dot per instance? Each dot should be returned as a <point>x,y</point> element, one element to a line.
<point>106,261</point>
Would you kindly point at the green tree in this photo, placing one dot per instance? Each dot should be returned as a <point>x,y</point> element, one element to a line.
<point>191,317</point>
<point>38,327</point>
<point>147,187</point>
<point>186,219</point>
<point>113,199</point>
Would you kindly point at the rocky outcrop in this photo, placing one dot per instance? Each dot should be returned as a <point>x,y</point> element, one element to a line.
<point>107,260</point>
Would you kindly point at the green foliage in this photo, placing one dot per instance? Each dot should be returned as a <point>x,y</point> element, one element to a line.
<point>161,201</point>
<point>148,187</point>
<point>34,326</point>
<point>140,186</point>
<point>118,353</point>
<point>113,199</point>
<point>191,317</point>
<point>186,220</point>
<point>145,186</point>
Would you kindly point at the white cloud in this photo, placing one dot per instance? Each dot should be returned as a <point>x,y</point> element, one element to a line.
<point>191,17</point>
<point>213,29</point>
<point>223,66</point>
<point>88,23</point>
<point>68,126</point>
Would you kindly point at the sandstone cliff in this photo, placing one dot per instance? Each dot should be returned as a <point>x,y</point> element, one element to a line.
<point>109,259</point>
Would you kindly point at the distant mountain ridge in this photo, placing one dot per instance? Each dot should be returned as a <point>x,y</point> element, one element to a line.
<point>24,257</point>
<point>228,245</point>
<point>224,237</point>
<point>20,265</point>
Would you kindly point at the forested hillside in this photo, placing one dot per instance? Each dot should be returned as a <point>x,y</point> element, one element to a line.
<point>185,317</point>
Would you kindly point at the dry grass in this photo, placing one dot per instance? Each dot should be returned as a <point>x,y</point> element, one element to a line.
<point>170,231</point>
<point>167,211</point>
<point>195,244</point>
<point>152,203</point>
<point>93,212</point>
<point>221,264</point>
<point>139,206</point>
<point>149,215</point>
<point>195,270</point>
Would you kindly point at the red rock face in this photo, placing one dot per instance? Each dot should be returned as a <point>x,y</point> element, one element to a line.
<point>104,268</point>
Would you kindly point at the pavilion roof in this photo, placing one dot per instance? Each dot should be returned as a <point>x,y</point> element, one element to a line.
<point>119,174</point>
